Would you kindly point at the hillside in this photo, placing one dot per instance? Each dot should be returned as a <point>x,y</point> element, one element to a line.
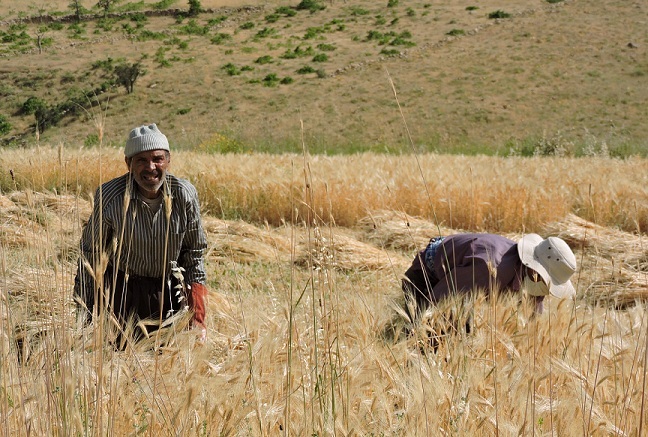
<point>560,77</point>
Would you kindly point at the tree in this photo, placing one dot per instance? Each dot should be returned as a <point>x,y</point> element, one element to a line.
<point>194,8</point>
<point>46,117</point>
<point>127,74</point>
<point>31,105</point>
<point>40,38</point>
<point>107,5</point>
<point>75,6</point>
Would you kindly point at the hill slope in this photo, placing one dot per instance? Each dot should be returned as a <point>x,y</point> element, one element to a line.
<point>569,75</point>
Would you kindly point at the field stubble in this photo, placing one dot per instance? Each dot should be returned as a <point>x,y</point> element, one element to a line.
<point>305,331</point>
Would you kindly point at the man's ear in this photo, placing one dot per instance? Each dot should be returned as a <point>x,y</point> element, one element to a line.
<point>128,162</point>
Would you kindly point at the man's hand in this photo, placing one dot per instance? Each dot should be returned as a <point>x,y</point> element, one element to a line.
<point>197,304</point>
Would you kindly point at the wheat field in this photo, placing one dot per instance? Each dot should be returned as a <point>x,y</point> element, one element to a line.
<point>306,331</point>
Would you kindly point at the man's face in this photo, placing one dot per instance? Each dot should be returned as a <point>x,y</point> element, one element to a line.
<point>149,170</point>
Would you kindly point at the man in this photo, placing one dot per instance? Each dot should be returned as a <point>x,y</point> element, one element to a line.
<point>142,248</point>
<point>459,264</point>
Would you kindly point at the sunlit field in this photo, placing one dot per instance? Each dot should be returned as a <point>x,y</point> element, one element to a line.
<point>306,329</point>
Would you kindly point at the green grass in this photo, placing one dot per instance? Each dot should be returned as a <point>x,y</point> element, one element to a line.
<point>482,99</point>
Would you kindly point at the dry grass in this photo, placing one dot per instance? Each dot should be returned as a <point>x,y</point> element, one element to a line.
<point>505,195</point>
<point>305,332</point>
<point>618,259</point>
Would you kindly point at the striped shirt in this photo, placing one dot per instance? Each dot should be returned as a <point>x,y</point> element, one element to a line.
<point>125,231</point>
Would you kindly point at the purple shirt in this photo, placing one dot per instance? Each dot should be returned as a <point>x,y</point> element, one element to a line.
<point>466,262</point>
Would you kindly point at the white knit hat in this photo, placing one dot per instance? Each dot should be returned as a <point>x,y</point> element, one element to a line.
<point>552,259</point>
<point>145,138</point>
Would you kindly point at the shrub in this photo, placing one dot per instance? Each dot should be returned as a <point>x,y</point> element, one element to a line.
<point>392,3</point>
<point>326,47</point>
<point>5,126</point>
<point>267,59</point>
<point>472,8</point>
<point>320,57</point>
<point>339,24</point>
<point>456,32</point>
<point>193,28</point>
<point>231,69</point>
<point>555,145</point>
<point>311,5</point>
<point>54,25</point>
<point>221,38</point>
<point>163,4</point>
<point>128,29</point>
<point>31,105</point>
<point>6,90</point>
<point>247,25</point>
<point>76,30</point>
<point>107,64</point>
<point>217,20</point>
<point>265,32</point>
<point>305,70</point>
<point>314,32</point>
<point>149,35</point>
<point>390,52</point>
<point>286,10</point>
<point>391,38</point>
<point>358,11</point>
<point>272,18</point>
<point>287,80</point>
<point>106,24</point>
<point>139,18</point>
<point>400,41</point>
<point>382,38</point>
<point>68,77</point>
<point>270,80</point>
<point>172,41</point>
<point>91,140</point>
<point>161,60</point>
<point>498,14</point>
<point>289,54</point>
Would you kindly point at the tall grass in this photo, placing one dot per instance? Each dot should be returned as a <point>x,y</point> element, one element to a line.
<point>474,193</point>
<point>306,335</point>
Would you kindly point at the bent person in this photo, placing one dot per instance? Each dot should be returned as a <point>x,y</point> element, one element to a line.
<point>144,241</point>
<point>459,264</point>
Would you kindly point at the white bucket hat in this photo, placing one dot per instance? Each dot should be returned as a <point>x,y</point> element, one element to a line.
<point>553,259</point>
